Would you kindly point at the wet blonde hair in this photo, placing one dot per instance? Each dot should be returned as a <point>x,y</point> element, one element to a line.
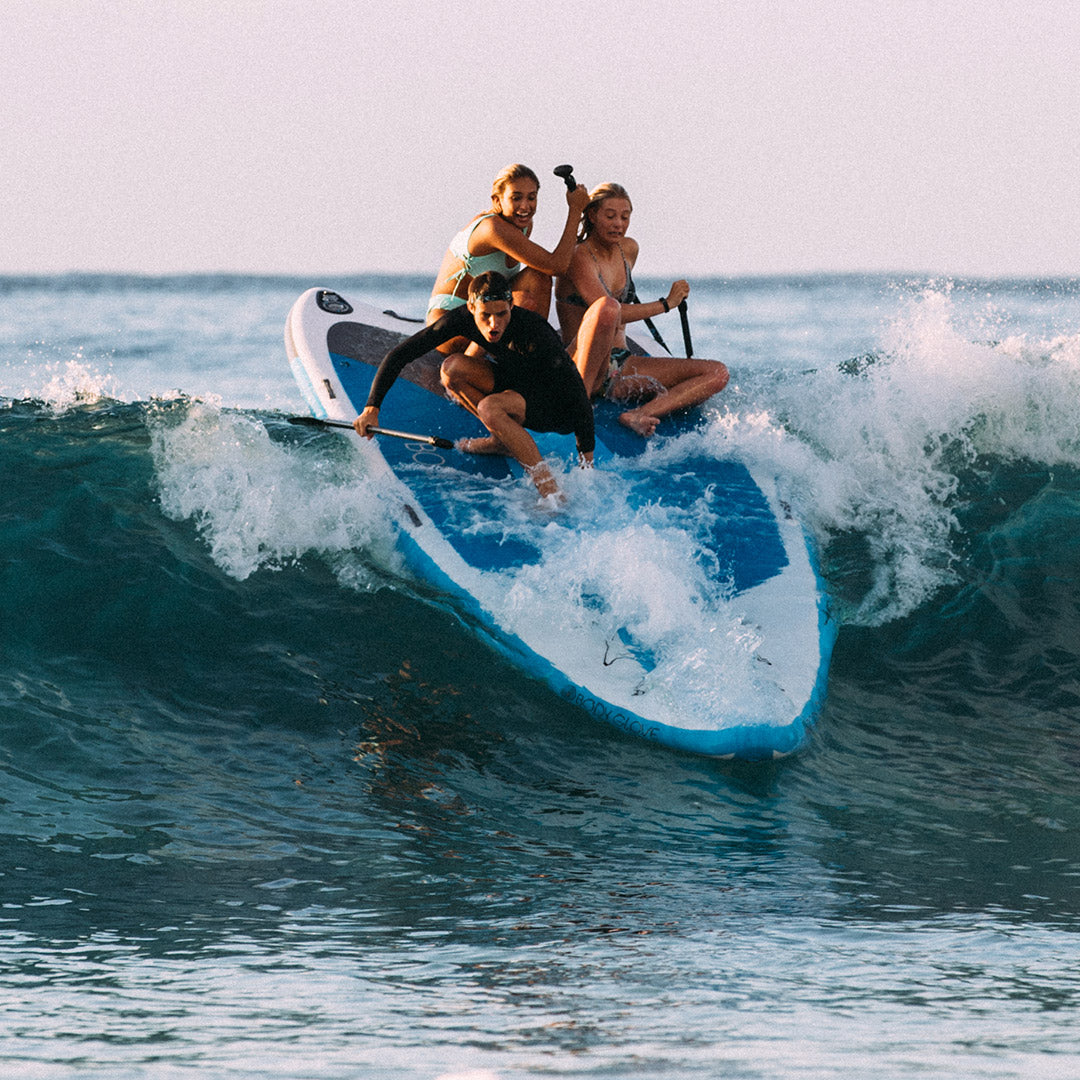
<point>508,176</point>
<point>596,197</point>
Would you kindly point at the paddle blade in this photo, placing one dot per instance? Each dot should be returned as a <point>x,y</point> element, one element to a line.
<point>686,329</point>
<point>315,421</point>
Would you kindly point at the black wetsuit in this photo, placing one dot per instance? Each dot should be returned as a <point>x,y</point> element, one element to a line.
<point>529,358</point>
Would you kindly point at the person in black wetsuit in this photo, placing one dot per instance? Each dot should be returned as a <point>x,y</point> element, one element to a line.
<point>526,380</point>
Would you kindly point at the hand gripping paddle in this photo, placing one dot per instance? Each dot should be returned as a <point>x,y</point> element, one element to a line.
<point>431,440</point>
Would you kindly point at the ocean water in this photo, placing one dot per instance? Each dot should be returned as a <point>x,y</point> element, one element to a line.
<point>266,810</point>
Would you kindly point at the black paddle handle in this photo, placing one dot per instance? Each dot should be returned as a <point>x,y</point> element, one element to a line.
<point>567,173</point>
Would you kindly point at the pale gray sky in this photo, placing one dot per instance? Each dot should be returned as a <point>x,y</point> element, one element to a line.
<point>755,136</point>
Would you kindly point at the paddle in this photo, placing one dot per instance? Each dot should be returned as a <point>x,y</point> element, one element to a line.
<point>431,440</point>
<point>567,174</point>
<point>633,298</point>
<point>685,329</point>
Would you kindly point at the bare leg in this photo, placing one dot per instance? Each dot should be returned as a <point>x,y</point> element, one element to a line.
<point>468,380</point>
<point>569,316</point>
<point>591,349</point>
<point>503,414</point>
<point>685,382</point>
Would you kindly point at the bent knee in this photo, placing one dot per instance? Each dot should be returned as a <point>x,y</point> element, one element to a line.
<point>450,371</point>
<point>607,311</point>
<point>529,279</point>
<point>536,302</point>
<point>718,376</point>
<point>446,377</point>
<point>495,407</point>
<point>532,290</point>
<point>490,409</point>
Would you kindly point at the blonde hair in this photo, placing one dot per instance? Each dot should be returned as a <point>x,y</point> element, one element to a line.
<point>508,176</point>
<point>596,197</point>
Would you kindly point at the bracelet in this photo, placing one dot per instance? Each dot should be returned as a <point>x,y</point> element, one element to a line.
<point>667,306</point>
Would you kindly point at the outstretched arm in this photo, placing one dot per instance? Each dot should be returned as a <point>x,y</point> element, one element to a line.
<point>651,308</point>
<point>495,234</point>
<point>412,348</point>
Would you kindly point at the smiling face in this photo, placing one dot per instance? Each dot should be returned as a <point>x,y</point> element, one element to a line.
<point>610,220</point>
<point>491,317</point>
<point>516,201</point>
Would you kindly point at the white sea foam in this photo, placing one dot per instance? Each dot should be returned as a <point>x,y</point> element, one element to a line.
<point>261,504</point>
<point>64,384</point>
<point>881,453</point>
<point>873,463</point>
<point>639,576</point>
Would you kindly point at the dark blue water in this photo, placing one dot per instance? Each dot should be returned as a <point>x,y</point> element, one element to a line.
<point>266,810</point>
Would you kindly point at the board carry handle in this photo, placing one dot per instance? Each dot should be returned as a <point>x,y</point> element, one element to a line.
<point>566,172</point>
<point>430,440</point>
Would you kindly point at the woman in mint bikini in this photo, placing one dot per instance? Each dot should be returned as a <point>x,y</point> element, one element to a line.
<point>597,291</point>
<point>499,240</point>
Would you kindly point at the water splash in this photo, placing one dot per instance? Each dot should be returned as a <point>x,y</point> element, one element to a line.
<point>637,572</point>
<point>260,504</point>
<point>873,455</point>
<point>74,382</point>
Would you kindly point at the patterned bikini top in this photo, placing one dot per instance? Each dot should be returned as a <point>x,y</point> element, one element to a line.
<point>624,294</point>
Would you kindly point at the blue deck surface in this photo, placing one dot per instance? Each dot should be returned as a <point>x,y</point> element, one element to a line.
<point>743,544</point>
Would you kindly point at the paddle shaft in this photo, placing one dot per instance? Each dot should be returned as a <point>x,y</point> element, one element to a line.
<point>430,440</point>
<point>686,329</point>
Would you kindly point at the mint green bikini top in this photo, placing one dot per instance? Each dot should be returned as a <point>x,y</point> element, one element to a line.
<point>474,265</point>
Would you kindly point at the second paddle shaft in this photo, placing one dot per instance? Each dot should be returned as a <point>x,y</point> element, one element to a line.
<point>686,329</point>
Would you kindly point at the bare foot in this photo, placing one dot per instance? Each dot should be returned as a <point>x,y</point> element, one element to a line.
<point>554,503</point>
<point>547,486</point>
<point>644,424</point>
<point>487,444</point>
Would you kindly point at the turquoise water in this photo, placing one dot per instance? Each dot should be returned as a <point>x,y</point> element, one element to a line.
<point>266,811</point>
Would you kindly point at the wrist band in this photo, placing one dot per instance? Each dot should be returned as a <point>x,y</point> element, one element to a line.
<point>663,300</point>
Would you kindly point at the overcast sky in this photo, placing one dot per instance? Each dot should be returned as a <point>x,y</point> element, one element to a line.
<point>755,136</point>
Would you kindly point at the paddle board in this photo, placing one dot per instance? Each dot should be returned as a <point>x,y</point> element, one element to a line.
<point>676,597</point>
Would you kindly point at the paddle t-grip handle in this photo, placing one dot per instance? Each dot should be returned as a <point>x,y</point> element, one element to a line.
<point>567,173</point>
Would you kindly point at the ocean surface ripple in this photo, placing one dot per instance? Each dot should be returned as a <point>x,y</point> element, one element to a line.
<point>269,810</point>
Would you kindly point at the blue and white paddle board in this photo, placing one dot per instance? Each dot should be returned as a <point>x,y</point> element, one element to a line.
<point>676,597</point>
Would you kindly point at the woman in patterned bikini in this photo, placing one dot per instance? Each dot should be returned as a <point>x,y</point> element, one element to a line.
<point>597,291</point>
